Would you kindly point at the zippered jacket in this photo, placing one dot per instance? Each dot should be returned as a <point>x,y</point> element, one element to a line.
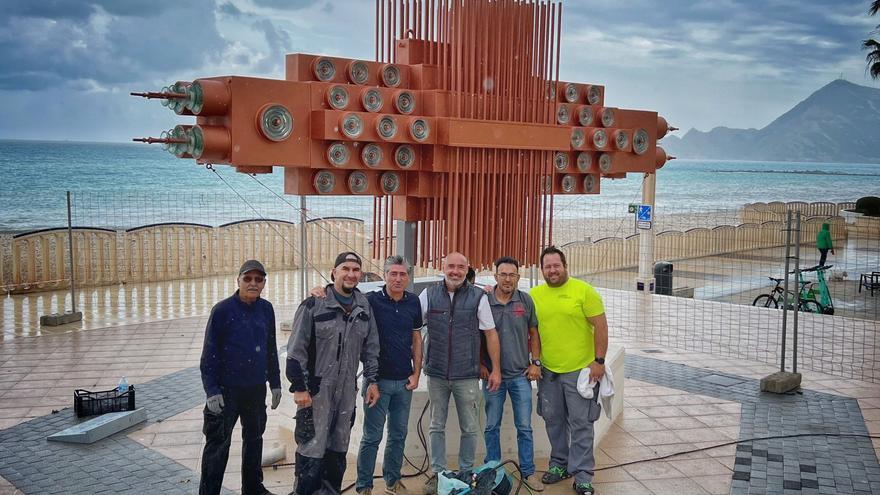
<point>239,349</point>
<point>328,343</point>
<point>453,332</point>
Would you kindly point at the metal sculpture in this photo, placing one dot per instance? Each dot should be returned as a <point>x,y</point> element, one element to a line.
<point>460,125</point>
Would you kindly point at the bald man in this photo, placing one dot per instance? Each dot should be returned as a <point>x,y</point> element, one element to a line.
<point>456,313</point>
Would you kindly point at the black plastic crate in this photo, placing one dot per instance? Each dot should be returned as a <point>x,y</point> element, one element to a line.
<point>86,403</point>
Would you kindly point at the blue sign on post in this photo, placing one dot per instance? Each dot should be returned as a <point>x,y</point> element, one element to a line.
<point>644,217</point>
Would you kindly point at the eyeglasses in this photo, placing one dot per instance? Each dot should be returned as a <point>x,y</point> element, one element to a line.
<point>258,279</point>
<point>507,275</point>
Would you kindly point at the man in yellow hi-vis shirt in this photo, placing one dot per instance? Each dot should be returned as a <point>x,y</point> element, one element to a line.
<point>574,336</point>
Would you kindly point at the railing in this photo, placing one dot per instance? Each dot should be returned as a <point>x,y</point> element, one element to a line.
<point>763,212</point>
<point>38,260</point>
<point>615,253</point>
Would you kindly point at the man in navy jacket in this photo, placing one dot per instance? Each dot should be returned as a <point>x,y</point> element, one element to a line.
<point>238,358</point>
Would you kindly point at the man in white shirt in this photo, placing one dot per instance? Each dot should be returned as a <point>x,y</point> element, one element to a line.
<point>456,313</point>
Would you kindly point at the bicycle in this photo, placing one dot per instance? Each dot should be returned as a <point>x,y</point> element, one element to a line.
<point>807,301</point>
<point>775,296</point>
<point>823,305</point>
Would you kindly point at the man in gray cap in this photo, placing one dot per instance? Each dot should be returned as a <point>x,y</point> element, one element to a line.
<point>238,358</point>
<point>330,337</point>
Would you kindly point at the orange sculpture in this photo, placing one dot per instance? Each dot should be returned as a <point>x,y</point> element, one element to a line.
<point>460,125</point>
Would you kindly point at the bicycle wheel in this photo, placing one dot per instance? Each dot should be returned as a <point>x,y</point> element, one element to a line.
<point>811,307</point>
<point>765,301</point>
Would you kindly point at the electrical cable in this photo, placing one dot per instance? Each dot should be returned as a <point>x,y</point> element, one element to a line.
<point>367,259</point>
<point>747,440</point>
<point>652,459</point>
<point>211,168</point>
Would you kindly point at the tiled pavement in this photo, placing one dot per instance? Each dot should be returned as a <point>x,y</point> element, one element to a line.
<point>822,464</point>
<point>681,401</point>
<point>114,465</point>
<point>818,457</point>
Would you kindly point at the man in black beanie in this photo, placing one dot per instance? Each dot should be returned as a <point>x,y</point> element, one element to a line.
<point>331,336</point>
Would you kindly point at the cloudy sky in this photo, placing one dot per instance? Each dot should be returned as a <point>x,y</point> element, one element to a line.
<point>67,66</point>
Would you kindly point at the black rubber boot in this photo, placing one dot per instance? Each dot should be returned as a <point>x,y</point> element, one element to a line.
<point>334,468</point>
<point>309,472</point>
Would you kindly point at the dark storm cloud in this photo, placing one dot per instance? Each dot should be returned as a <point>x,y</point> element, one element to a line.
<point>286,4</point>
<point>115,42</point>
<point>79,9</point>
<point>791,37</point>
<point>229,9</point>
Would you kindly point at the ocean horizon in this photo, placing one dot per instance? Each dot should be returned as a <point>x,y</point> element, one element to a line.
<point>124,185</point>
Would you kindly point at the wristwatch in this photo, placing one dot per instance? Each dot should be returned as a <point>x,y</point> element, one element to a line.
<point>536,362</point>
<point>600,360</point>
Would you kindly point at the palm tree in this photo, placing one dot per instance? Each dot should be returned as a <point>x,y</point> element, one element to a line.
<point>873,56</point>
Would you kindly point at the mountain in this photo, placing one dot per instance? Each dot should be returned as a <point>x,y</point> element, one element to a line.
<point>838,123</point>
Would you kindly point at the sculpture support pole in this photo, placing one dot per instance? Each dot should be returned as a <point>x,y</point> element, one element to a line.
<point>303,248</point>
<point>645,280</point>
<point>406,246</point>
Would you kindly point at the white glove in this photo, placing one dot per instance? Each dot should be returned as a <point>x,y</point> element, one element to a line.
<point>215,403</point>
<point>276,397</point>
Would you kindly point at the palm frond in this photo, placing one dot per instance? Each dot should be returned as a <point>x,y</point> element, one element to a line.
<point>873,57</point>
<point>874,8</point>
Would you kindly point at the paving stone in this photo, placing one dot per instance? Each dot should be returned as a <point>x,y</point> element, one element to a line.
<point>809,483</point>
<point>791,485</point>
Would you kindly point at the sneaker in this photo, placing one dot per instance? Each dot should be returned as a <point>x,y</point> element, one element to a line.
<point>584,488</point>
<point>431,485</point>
<point>554,475</point>
<point>396,489</point>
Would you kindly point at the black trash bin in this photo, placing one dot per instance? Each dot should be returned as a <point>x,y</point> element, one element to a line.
<point>663,278</point>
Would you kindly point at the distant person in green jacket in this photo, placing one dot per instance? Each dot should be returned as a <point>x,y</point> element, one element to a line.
<point>823,243</point>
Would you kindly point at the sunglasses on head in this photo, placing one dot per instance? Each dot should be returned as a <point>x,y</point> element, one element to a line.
<point>257,278</point>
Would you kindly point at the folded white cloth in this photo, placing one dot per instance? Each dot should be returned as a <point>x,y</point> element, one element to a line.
<point>586,385</point>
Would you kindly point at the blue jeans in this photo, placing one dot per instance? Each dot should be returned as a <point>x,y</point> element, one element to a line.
<point>520,390</point>
<point>466,393</point>
<point>394,402</point>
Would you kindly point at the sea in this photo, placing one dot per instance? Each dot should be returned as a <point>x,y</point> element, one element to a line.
<point>127,185</point>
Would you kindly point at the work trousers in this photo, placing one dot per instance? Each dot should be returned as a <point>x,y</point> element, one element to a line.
<point>569,420</point>
<point>249,405</point>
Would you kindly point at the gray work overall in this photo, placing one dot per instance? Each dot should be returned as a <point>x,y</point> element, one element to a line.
<point>328,345</point>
